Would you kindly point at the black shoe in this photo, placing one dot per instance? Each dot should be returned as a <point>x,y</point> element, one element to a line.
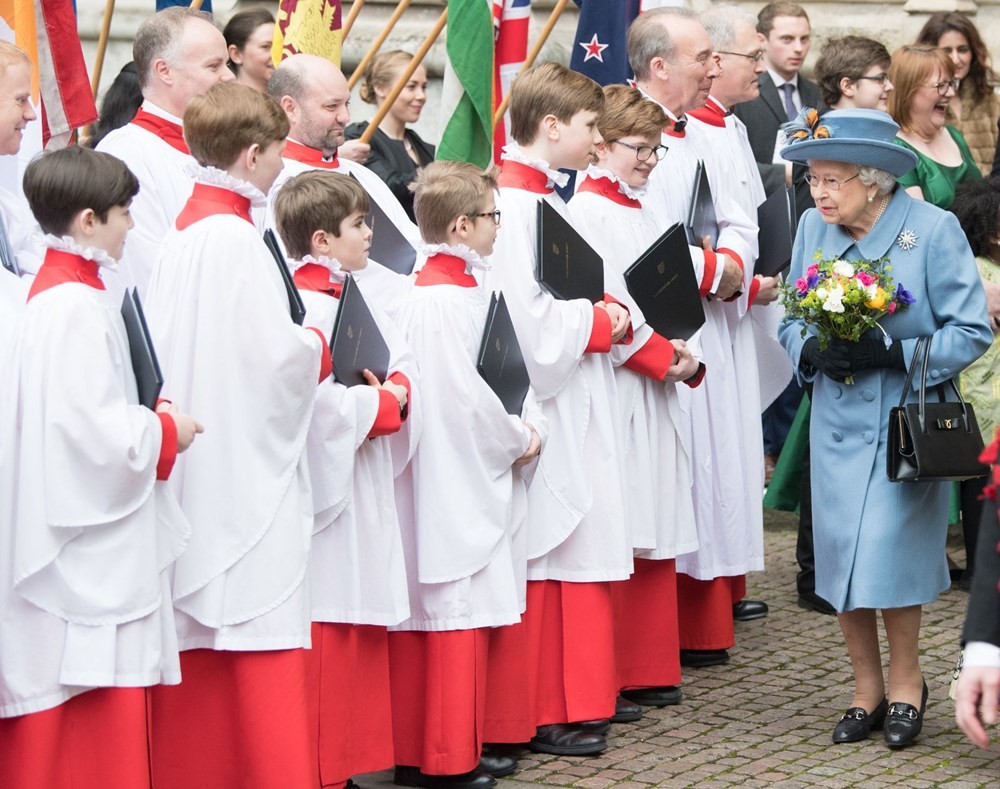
<point>811,601</point>
<point>857,724</point>
<point>663,696</point>
<point>475,779</point>
<point>497,764</point>
<point>904,722</point>
<point>748,610</point>
<point>700,658</point>
<point>626,711</point>
<point>565,739</point>
<point>601,726</point>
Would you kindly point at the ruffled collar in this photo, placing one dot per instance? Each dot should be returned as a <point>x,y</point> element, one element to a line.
<point>473,260</point>
<point>630,192</point>
<point>332,265</point>
<point>515,154</point>
<point>213,176</point>
<point>68,244</point>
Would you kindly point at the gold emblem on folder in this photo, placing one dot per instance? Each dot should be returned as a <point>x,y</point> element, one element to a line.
<point>661,267</point>
<point>350,332</point>
<point>498,343</point>
<point>555,249</point>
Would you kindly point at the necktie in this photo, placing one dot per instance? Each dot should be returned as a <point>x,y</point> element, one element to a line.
<point>789,89</point>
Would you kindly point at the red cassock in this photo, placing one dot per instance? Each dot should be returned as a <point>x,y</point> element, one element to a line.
<point>647,642</point>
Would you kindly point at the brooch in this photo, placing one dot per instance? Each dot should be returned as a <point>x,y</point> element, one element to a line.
<point>907,240</point>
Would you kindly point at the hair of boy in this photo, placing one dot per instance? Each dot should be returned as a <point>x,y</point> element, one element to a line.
<point>628,112</point>
<point>60,184</point>
<point>977,206</point>
<point>159,37</point>
<point>649,37</point>
<point>722,23</point>
<point>770,12</point>
<point>549,89</point>
<point>227,120</point>
<point>912,66</point>
<point>444,191</point>
<point>10,54</point>
<point>315,200</point>
<point>847,58</point>
<point>381,72</point>
<point>241,26</point>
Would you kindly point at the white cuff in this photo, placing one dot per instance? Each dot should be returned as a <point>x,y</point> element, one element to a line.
<point>981,653</point>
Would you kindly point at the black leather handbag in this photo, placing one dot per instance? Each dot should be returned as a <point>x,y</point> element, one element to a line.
<point>932,442</point>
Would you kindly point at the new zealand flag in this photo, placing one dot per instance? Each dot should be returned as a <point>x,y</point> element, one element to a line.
<point>599,49</point>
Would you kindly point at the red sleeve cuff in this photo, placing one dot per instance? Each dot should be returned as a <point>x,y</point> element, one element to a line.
<point>754,290</point>
<point>401,380</point>
<point>325,360</point>
<point>600,332</point>
<point>698,377</point>
<point>653,359</point>
<point>387,419</point>
<point>627,339</point>
<point>708,275</point>
<point>168,447</point>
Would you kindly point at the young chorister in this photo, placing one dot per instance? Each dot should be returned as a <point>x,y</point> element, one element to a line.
<point>219,313</point>
<point>578,541</point>
<point>455,498</point>
<point>357,576</point>
<point>87,533</point>
<point>609,211</point>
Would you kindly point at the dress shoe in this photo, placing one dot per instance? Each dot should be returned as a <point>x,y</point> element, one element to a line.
<point>748,610</point>
<point>857,723</point>
<point>626,711</point>
<point>700,658</point>
<point>475,779</point>
<point>811,601</point>
<point>602,726</point>
<point>565,739</point>
<point>497,764</point>
<point>662,696</point>
<point>904,722</point>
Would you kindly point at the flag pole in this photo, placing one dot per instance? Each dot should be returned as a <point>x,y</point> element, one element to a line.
<point>102,47</point>
<point>349,22</point>
<point>557,10</point>
<point>405,77</point>
<point>377,43</point>
<point>196,5</point>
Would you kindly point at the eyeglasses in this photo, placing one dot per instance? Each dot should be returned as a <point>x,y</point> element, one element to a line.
<point>494,214</point>
<point>756,57</point>
<point>829,183</point>
<point>644,152</point>
<point>942,87</point>
<point>883,78</point>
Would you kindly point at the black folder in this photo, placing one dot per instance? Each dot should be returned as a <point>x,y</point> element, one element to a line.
<point>701,220</point>
<point>148,378</point>
<point>663,284</point>
<point>389,246</point>
<point>775,234</point>
<point>500,361</point>
<point>356,343</point>
<point>568,267</point>
<point>295,305</point>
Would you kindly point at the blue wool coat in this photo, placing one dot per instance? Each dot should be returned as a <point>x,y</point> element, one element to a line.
<point>881,544</point>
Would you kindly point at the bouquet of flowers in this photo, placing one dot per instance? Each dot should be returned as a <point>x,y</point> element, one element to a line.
<point>845,299</point>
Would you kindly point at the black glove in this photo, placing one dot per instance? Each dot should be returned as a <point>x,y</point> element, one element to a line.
<point>832,362</point>
<point>870,353</point>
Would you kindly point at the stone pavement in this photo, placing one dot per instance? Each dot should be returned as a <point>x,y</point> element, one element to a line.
<point>766,718</point>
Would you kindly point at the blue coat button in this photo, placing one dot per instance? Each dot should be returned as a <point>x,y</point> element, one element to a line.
<point>837,435</point>
<point>868,395</point>
<point>868,436</point>
<point>837,392</point>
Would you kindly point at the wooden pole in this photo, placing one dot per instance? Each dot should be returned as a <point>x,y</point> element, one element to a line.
<point>377,43</point>
<point>349,23</point>
<point>102,47</point>
<point>405,77</point>
<point>196,5</point>
<point>557,10</point>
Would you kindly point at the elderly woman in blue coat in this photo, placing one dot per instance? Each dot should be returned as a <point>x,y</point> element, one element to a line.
<point>879,545</point>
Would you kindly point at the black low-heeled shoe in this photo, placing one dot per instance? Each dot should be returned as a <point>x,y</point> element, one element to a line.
<point>857,723</point>
<point>904,722</point>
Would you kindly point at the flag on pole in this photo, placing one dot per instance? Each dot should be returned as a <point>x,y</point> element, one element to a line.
<point>511,19</point>
<point>467,95</point>
<point>60,87</point>
<point>311,26</point>
<point>599,48</point>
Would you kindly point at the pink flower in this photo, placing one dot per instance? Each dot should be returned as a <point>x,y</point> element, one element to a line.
<point>891,308</point>
<point>865,278</point>
<point>802,285</point>
<point>812,271</point>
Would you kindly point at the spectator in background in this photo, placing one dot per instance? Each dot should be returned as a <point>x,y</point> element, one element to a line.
<point>249,35</point>
<point>121,102</point>
<point>852,72</point>
<point>397,152</point>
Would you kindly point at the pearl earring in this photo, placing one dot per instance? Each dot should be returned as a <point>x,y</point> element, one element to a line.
<point>870,198</point>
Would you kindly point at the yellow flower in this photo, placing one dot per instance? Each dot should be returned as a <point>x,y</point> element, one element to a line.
<point>878,301</point>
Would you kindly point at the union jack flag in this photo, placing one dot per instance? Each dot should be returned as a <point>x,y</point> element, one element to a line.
<point>510,28</point>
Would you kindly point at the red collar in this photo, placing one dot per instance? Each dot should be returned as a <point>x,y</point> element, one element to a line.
<point>313,276</point>
<point>59,267</point>
<point>443,269</point>
<point>605,187</point>
<point>520,176</point>
<point>206,201</point>
<point>168,131</point>
<point>311,156</point>
<point>713,113</point>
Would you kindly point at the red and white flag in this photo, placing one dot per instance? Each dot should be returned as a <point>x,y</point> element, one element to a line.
<point>510,26</point>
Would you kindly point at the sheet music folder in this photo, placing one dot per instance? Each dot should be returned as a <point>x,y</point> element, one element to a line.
<point>295,305</point>
<point>701,220</point>
<point>567,267</point>
<point>663,284</point>
<point>148,378</point>
<point>500,362</point>
<point>775,234</point>
<point>356,343</point>
<point>389,247</point>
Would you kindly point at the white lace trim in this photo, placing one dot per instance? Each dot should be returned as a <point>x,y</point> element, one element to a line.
<point>630,192</point>
<point>515,154</point>
<point>473,260</point>
<point>213,176</point>
<point>68,244</point>
<point>332,265</point>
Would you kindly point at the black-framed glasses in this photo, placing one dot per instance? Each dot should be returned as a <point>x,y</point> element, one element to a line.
<point>883,78</point>
<point>829,183</point>
<point>495,214</point>
<point>644,152</point>
<point>942,87</point>
<point>756,57</point>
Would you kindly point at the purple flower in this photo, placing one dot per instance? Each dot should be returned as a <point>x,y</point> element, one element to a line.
<point>812,281</point>
<point>903,296</point>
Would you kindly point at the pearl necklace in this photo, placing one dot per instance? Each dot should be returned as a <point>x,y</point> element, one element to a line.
<point>878,216</point>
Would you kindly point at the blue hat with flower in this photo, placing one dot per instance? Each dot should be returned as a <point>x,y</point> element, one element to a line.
<point>861,137</point>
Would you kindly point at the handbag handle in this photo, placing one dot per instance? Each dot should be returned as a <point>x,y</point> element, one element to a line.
<point>923,350</point>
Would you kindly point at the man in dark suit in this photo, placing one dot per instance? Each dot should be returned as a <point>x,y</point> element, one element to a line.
<point>979,683</point>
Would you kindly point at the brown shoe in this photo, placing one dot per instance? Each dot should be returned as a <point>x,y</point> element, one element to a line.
<point>770,461</point>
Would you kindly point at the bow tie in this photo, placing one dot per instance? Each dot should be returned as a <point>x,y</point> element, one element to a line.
<point>679,125</point>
